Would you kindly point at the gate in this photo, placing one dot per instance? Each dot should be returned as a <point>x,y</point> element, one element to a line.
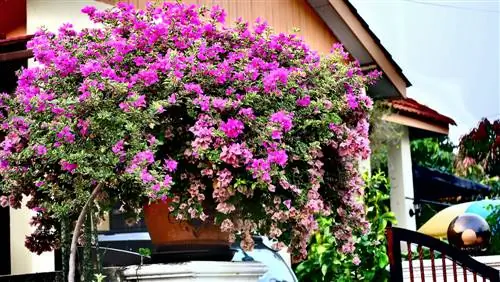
<point>447,263</point>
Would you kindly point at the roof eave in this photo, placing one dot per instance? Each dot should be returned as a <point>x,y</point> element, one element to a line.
<point>426,125</point>
<point>353,32</point>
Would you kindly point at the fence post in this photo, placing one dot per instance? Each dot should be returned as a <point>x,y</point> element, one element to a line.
<point>394,253</point>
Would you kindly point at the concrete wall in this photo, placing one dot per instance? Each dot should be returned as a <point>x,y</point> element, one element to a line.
<point>21,259</point>
<point>401,176</point>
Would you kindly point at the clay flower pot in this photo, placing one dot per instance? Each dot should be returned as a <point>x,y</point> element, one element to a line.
<point>182,240</point>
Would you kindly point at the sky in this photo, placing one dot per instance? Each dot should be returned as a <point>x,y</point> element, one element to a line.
<point>449,50</point>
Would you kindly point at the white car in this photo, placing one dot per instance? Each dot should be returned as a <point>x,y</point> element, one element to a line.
<point>122,249</point>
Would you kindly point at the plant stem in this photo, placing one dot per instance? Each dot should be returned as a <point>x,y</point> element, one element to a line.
<point>76,233</point>
<point>96,240</point>
<point>65,245</point>
<point>88,265</point>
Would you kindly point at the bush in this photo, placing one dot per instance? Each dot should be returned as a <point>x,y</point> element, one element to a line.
<point>237,126</point>
<point>369,260</point>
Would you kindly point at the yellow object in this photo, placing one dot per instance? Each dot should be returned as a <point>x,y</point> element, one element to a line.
<point>437,226</point>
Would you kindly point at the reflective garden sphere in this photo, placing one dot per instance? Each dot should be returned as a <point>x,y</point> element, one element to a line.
<point>469,232</point>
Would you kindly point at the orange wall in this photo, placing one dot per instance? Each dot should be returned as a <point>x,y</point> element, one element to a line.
<point>282,16</point>
<point>13,17</point>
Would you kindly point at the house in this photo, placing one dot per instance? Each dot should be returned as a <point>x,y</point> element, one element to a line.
<point>418,121</point>
<point>321,22</point>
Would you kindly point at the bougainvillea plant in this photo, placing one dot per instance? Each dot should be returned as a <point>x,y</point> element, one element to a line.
<point>238,126</point>
<point>480,150</point>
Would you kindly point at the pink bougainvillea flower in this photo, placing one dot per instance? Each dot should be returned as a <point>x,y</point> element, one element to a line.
<point>40,150</point>
<point>352,101</point>
<point>151,139</point>
<point>304,101</point>
<point>118,147</point>
<point>232,128</point>
<point>167,181</point>
<point>247,112</point>
<point>356,260</point>
<point>278,157</point>
<point>156,187</point>
<point>170,165</point>
<point>38,209</point>
<point>283,119</point>
<point>288,203</point>
<point>172,99</point>
<point>66,135</point>
<point>83,125</point>
<point>70,167</point>
<point>276,134</point>
<point>140,102</point>
<point>4,201</point>
<point>218,14</point>
<point>236,153</point>
<point>146,177</point>
<point>192,87</point>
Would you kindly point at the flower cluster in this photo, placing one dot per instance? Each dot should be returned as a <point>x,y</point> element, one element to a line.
<point>169,103</point>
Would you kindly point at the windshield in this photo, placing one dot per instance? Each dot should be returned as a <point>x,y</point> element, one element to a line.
<point>278,270</point>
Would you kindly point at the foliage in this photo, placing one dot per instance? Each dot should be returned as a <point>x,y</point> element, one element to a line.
<point>369,261</point>
<point>494,222</point>
<point>479,159</point>
<point>99,277</point>
<point>237,126</point>
<point>145,252</point>
<point>493,218</point>
<point>480,147</point>
<point>434,152</point>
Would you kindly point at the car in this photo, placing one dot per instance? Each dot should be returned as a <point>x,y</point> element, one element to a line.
<point>121,249</point>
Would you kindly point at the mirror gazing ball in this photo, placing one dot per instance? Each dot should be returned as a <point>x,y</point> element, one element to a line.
<point>469,232</point>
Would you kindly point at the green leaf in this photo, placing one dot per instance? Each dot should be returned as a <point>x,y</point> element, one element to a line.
<point>324,269</point>
<point>321,249</point>
<point>145,252</point>
<point>383,260</point>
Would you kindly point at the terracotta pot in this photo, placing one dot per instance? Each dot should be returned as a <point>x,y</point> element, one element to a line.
<point>183,240</point>
<point>164,229</point>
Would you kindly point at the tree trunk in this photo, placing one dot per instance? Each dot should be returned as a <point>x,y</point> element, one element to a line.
<point>76,233</point>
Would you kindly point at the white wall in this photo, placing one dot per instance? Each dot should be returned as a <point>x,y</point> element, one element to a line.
<point>53,13</point>
<point>401,176</point>
<point>21,259</point>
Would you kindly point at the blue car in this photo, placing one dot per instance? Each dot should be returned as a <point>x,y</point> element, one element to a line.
<point>121,249</point>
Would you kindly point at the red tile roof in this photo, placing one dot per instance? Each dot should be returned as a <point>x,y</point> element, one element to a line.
<point>411,106</point>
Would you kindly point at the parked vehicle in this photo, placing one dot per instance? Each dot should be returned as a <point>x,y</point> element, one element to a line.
<point>122,249</point>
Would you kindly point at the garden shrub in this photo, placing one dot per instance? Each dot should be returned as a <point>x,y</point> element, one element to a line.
<point>239,126</point>
<point>368,262</point>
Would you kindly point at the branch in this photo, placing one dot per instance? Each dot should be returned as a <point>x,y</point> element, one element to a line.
<point>76,233</point>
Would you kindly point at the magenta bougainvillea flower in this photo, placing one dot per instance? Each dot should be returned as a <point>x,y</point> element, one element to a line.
<point>169,102</point>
